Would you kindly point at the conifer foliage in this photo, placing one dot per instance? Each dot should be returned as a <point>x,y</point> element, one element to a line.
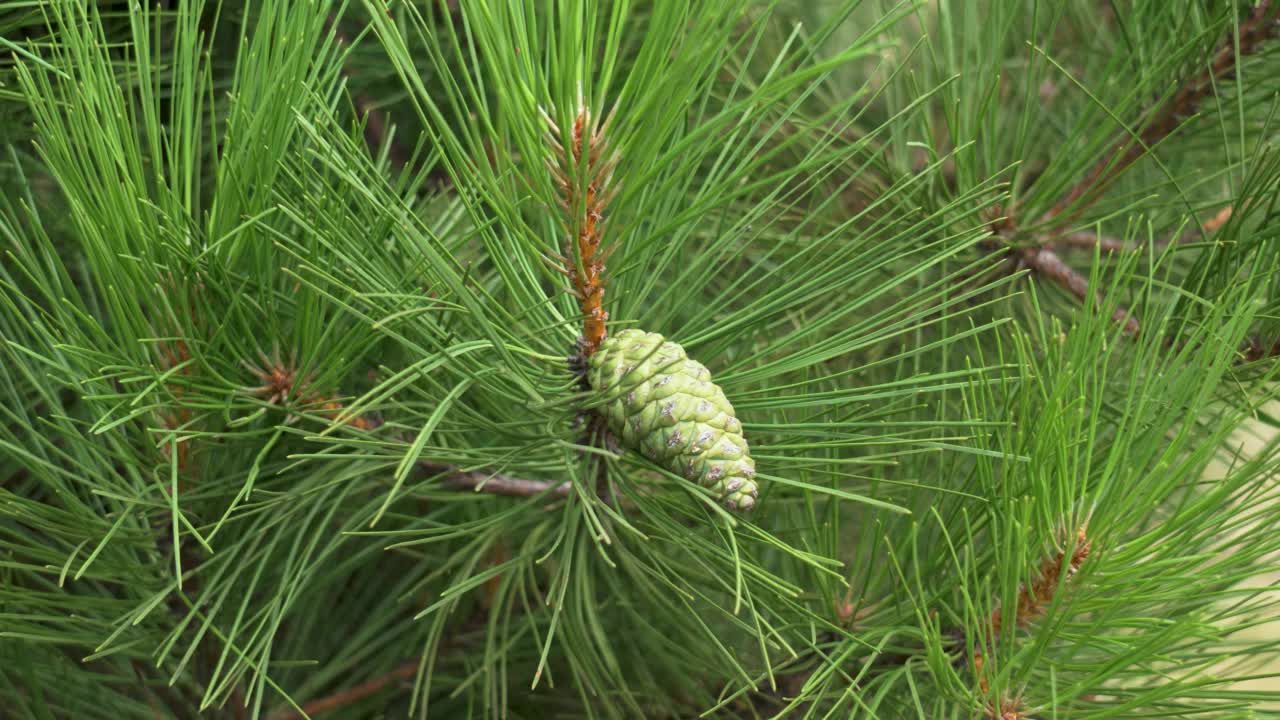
<point>639,359</point>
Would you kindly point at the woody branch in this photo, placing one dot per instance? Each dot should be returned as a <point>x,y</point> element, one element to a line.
<point>1160,122</point>
<point>1163,120</point>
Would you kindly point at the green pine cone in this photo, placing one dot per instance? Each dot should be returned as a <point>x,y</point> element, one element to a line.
<point>664,405</point>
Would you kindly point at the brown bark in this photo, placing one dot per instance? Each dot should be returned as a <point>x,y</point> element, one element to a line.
<point>1161,122</point>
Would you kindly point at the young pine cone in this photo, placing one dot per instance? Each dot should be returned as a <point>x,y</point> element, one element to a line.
<point>664,405</point>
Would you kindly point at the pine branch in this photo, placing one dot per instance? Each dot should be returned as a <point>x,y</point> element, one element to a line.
<point>587,152</point>
<point>281,380</point>
<point>810,313</point>
<point>366,689</point>
<point>351,695</point>
<point>495,484</point>
<point>1111,245</point>
<point>1106,245</point>
<point>1161,122</point>
<point>1046,263</point>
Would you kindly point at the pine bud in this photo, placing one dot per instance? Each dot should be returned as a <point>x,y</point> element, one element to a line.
<point>661,403</point>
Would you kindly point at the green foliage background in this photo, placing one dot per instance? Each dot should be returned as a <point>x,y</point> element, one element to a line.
<point>810,197</point>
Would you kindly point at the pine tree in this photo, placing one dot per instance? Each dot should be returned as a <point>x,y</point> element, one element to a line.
<point>743,359</point>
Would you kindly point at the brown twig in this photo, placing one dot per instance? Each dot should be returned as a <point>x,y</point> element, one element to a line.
<point>584,151</point>
<point>477,481</point>
<point>1110,245</point>
<point>1047,264</point>
<point>1161,122</point>
<point>1045,261</point>
<point>354,694</point>
<point>373,686</point>
<point>1106,245</point>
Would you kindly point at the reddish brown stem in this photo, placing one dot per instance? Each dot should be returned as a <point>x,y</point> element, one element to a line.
<point>1047,264</point>
<point>1162,121</point>
<point>351,695</point>
<point>585,207</point>
<point>1110,245</point>
<point>1106,245</point>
